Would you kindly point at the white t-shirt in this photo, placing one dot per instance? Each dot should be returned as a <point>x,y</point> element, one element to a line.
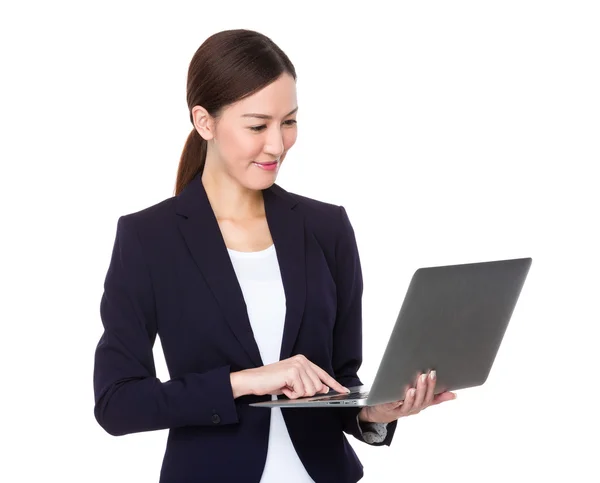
<point>260,280</point>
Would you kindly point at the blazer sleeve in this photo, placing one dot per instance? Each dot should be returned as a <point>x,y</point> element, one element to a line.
<point>129,397</point>
<point>347,336</point>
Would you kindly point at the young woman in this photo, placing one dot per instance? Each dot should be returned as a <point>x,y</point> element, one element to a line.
<point>254,291</point>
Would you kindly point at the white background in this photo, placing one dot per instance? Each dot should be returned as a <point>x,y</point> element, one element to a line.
<point>452,132</point>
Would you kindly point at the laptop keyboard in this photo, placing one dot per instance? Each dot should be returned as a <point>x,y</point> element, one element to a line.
<point>352,395</point>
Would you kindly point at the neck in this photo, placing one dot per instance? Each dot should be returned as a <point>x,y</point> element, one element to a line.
<point>231,201</point>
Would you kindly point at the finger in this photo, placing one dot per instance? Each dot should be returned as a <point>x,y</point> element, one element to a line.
<point>443,397</point>
<point>431,380</point>
<point>295,383</point>
<point>396,404</point>
<point>319,386</point>
<point>401,402</point>
<point>309,386</point>
<point>330,381</point>
<point>421,390</point>
<point>409,400</point>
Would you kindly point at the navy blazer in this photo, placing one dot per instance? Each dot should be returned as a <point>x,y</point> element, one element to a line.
<point>170,275</point>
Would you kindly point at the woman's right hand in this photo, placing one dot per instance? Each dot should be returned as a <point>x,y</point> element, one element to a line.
<point>295,377</point>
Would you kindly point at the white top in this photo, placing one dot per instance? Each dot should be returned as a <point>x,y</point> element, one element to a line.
<point>260,280</point>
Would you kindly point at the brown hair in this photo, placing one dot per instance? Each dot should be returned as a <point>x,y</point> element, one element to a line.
<point>229,66</point>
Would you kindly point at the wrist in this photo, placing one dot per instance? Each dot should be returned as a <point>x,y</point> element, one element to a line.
<point>238,384</point>
<point>363,415</point>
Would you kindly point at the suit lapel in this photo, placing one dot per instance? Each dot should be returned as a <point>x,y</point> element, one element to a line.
<point>287,230</point>
<point>200,229</point>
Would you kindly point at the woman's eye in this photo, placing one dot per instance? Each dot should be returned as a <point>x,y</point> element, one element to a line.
<point>289,122</point>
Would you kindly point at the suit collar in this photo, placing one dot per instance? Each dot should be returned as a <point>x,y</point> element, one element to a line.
<point>193,198</point>
<point>200,229</point>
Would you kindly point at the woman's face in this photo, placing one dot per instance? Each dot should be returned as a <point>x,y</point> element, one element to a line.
<point>252,137</point>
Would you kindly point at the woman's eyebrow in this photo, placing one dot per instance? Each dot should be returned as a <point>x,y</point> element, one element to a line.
<point>266,116</point>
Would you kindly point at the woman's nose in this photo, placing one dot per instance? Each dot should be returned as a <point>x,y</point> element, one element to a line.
<point>274,145</point>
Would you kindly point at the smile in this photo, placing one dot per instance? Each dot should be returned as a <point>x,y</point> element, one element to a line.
<point>267,166</point>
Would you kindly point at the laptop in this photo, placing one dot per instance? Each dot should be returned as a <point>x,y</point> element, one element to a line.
<point>453,320</point>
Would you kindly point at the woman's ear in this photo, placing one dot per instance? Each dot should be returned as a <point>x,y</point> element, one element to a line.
<point>203,122</point>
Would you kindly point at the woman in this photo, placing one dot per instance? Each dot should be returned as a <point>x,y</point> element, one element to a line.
<point>254,291</point>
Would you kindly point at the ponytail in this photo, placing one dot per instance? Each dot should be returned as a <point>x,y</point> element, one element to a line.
<point>192,160</point>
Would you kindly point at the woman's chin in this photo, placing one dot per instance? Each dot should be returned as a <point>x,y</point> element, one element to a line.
<point>261,182</point>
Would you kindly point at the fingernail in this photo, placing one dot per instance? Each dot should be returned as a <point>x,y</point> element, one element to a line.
<point>412,392</point>
<point>432,375</point>
<point>423,377</point>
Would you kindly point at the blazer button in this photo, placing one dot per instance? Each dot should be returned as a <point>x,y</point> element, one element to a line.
<point>216,419</point>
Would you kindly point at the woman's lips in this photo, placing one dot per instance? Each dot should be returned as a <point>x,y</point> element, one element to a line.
<point>271,166</point>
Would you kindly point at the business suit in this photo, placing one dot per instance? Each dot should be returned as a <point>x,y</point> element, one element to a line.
<point>170,274</point>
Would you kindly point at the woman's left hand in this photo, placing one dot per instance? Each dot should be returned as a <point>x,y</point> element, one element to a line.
<point>415,401</point>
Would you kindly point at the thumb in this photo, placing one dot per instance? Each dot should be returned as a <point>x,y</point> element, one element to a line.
<point>443,397</point>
